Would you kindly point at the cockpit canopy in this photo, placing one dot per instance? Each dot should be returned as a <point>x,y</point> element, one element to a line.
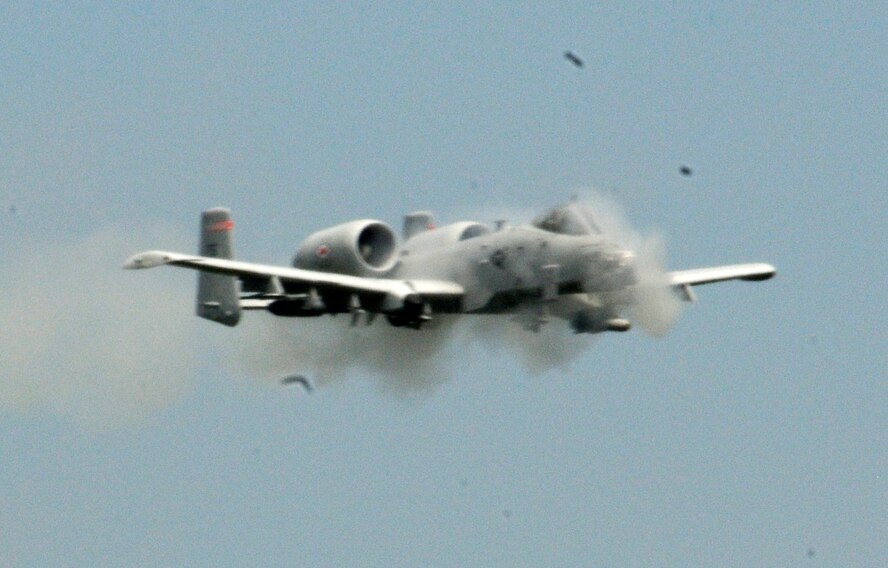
<point>566,220</point>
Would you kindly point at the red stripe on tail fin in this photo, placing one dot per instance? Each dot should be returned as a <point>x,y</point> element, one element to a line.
<point>220,226</point>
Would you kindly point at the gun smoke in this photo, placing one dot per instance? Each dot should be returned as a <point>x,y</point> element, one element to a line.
<point>87,341</point>
<point>653,304</point>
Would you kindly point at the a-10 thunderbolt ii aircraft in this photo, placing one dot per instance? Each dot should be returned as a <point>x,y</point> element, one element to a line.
<point>561,265</point>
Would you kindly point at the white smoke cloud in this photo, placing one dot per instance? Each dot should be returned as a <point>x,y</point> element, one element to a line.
<point>653,305</point>
<point>406,361</point>
<point>86,340</point>
<point>553,346</point>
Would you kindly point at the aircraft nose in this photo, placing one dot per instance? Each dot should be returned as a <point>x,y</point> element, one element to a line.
<point>625,267</point>
<point>618,257</point>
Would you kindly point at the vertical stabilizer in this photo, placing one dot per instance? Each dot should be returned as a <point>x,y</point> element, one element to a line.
<point>217,295</point>
<point>418,222</point>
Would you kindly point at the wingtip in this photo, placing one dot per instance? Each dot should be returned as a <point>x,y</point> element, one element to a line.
<point>765,272</point>
<point>145,260</point>
<point>132,262</point>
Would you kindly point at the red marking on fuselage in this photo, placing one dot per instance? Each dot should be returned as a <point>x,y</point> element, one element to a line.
<point>323,251</point>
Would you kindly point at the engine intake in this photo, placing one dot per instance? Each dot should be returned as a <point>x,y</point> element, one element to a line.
<point>358,248</point>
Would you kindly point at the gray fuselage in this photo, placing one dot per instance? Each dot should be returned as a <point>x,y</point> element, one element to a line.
<point>508,267</point>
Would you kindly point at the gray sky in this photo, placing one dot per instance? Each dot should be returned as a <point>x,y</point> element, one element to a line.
<point>750,435</point>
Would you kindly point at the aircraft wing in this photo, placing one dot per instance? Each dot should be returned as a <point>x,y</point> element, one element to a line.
<point>272,278</point>
<point>684,279</point>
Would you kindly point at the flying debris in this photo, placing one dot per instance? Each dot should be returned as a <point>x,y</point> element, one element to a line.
<point>568,263</point>
<point>297,379</point>
<point>573,58</point>
<point>685,171</point>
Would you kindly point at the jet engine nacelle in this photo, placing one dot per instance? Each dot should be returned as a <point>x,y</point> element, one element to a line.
<point>358,248</point>
<point>434,239</point>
